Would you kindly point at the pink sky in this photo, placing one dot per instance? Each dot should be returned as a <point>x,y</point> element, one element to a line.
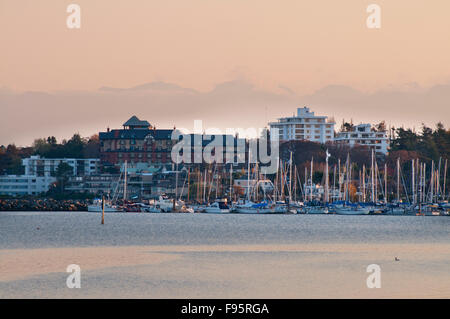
<point>278,54</point>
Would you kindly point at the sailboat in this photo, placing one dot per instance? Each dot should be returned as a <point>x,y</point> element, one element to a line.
<point>96,207</point>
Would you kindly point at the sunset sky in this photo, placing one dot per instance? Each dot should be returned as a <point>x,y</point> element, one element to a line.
<point>230,63</point>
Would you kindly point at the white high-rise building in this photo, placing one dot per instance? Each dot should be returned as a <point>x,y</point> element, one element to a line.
<point>305,126</point>
<point>364,134</point>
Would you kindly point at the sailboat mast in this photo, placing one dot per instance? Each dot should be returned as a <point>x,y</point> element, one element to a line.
<point>295,183</point>
<point>248,175</point>
<point>376,180</point>
<point>438,182</point>
<point>231,182</point>
<point>312,165</point>
<point>198,184</point>
<point>326,177</point>
<point>445,179</point>
<point>290,177</point>
<point>385,184</point>
<point>334,182</point>
<point>275,190</point>
<point>350,176</point>
<point>176,183</point>
<point>398,179</point>
<point>125,181</point>
<point>204,187</point>
<point>339,180</point>
<point>306,184</point>
<point>424,186</point>
<point>188,182</point>
<point>364,183</point>
<point>432,182</point>
<point>413,182</point>
<point>372,183</point>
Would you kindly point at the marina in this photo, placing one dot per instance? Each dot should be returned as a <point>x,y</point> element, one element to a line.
<point>288,195</point>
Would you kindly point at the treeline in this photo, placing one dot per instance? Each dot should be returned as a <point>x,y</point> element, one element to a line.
<point>427,145</point>
<point>76,147</point>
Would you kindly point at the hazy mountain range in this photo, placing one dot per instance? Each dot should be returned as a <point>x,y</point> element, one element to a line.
<point>28,115</point>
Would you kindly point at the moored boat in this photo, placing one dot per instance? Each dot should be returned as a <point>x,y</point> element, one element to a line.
<point>218,207</point>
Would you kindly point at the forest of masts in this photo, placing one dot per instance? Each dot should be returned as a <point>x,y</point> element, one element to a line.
<point>340,182</point>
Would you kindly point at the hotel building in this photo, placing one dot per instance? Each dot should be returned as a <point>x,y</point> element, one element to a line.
<point>305,126</point>
<point>139,143</point>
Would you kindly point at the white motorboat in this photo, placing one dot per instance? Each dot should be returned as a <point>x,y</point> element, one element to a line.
<point>218,207</point>
<point>350,210</point>
<point>165,204</point>
<point>260,208</point>
<point>96,207</point>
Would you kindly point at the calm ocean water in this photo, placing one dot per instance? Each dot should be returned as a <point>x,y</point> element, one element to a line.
<point>68,229</point>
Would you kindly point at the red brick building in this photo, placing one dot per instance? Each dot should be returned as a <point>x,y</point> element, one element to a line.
<point>137,142</point>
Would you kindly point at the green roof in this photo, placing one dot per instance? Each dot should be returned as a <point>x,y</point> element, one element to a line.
<point>134,121</point>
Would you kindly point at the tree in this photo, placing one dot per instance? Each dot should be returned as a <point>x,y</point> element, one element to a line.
<point>63,171</point>
<point>347,127</point>
<point>75,146</point>
<point>92,147</point>
<point>381,127</point>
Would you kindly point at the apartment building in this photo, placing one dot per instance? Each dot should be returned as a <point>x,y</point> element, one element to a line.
<point>35,165</point>
<point>364,134</point>
<point>18,185</point>
<point>305,126</point>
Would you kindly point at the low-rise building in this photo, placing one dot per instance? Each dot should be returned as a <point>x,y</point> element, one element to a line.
<point>94,184</point>
<point>40,174</point>
<point>38,166</point>
<point>19,185</point>
<point>366,135</point>
<point>305,126</point>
